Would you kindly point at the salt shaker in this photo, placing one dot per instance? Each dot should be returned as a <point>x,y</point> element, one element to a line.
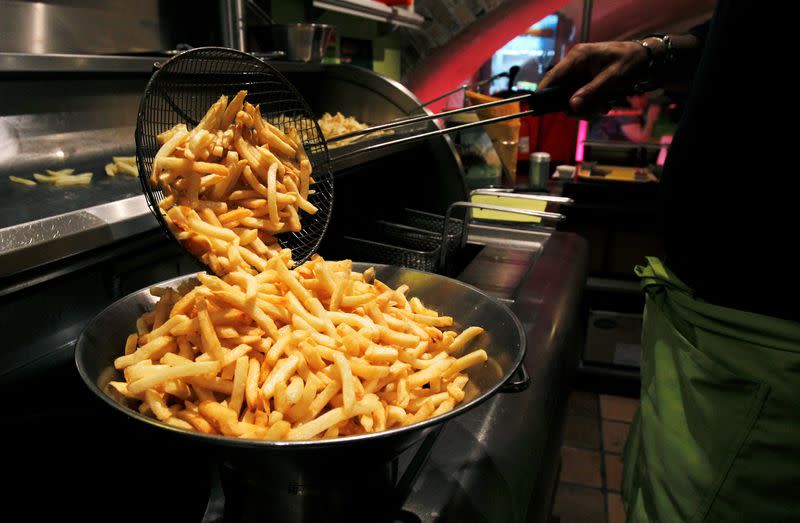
<point>539,171</point>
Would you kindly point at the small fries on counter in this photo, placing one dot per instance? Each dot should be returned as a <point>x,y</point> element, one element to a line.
<point>232,183</point>
<point>316,352</point>
<point>67,177</point>
<point>22,181</point>
<point>60,178</point>
<point>122,165</point>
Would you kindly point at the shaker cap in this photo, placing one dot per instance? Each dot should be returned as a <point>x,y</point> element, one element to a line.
<point>540,157</point>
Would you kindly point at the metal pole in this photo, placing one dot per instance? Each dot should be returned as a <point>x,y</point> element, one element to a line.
<point>436,116</point>
<point>587,20</point>
<point>234,23</point>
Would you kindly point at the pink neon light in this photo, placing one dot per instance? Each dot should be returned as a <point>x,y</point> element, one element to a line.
<point>583,129</point>
<point>662,154</point>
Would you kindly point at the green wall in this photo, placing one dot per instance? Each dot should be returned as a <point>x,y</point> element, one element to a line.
<point>386,44</point>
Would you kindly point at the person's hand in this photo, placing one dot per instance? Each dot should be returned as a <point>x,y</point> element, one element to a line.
<point>599,72</point>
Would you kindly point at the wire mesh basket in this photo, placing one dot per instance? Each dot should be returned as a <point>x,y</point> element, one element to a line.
<point>403,245</point>
<point>378,252</point>
<point>184,87</point>
<point>434,223</point>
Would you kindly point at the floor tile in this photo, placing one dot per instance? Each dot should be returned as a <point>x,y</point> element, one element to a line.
<point>582,432</point>
<point>616,510</point>
<point>614,435</point>
<point>581,466</point>
<point>582,403</point>
<point>613,471</point>
<point>579,505</point>
<point>618,408</point>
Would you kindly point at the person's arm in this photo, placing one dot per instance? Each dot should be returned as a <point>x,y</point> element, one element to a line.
<point>603,71</point>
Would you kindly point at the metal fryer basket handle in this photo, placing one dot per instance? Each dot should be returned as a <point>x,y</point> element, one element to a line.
<point>548,100</point>
<point>423,118</point>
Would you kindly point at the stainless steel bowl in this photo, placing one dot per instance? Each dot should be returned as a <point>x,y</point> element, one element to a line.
<point>308,480</point>
<point>300,42</point>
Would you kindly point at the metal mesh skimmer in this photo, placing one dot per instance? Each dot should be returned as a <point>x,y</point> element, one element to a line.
<point>184,87</point>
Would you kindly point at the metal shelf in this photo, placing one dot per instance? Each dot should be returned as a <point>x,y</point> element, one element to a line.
<point>87,63</point>
<point>373,11</point>
<point>76,63</point>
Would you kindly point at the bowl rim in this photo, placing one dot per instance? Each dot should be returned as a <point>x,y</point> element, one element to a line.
<point>374,437</point>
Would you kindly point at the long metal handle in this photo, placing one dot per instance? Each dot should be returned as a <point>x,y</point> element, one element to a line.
<point>526,212</point>
<point>233,17</point>
<point>505,192</point>
<point>552,99</point>
<point>437,132</point>
<point>464,87</point>
<point>417,119</point>
<point>260,12</point>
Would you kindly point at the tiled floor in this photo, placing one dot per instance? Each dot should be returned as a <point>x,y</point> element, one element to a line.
<point>591,468</point>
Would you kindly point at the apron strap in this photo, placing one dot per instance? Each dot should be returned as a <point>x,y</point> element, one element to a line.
<point>657,280</point>
<point>655,274</point>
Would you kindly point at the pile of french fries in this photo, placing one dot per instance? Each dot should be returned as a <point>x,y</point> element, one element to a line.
<point>232,183</point>
<point>316,352</point>
<point>339,124</point>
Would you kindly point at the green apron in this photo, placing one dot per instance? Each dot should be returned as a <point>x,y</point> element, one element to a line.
<point>717,435</point>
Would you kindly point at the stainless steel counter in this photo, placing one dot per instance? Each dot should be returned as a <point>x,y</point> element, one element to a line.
<point>499,462</point>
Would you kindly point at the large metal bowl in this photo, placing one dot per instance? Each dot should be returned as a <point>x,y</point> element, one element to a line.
<point>314,474</point>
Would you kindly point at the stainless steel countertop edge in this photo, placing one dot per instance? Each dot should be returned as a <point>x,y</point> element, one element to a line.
<point>32,244</point>
<point>72,63</point>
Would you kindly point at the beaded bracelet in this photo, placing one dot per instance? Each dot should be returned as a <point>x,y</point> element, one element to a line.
<point>655,65</point>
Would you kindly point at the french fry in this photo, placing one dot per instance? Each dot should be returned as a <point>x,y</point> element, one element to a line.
<point>130,344</point>
<point>294,390</point>
<point>144,352</point>
<point>178,371</point>
<point>196,421</point>
<point>346,377</point>
<point>332,417</point>
<point>60,172</point>
<point>462,339</point>
<point>251,384</point>
<point>280,373</point>
<point>221,417</point>
<point>157,404</point>
<point>466,361</point>
<point>23,181</point>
